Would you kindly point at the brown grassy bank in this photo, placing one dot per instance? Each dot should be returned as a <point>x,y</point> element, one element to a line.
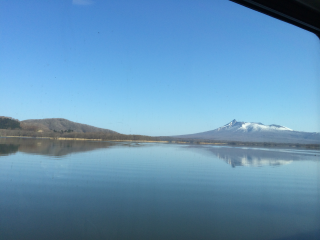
<point>76,136</point>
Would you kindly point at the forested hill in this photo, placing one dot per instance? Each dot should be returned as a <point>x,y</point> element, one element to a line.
<point>63,129</point>
<point>9,123</point>
<point>60,124</point>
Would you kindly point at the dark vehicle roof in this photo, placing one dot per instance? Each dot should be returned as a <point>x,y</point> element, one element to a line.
<point>302,13</point>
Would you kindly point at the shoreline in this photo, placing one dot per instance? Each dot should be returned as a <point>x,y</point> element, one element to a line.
<point>234,144</point>
<point>88,139</point>
<point>81,139</point>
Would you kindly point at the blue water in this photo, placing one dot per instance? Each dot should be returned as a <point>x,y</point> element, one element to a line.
<point>63,190</point>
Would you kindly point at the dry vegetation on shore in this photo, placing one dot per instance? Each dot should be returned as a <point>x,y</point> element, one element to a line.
<point>75,135</point>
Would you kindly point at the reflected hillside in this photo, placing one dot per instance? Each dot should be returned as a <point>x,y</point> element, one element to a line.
<point>48,147</point>
<point>7,149</point>
<point>236,156</point>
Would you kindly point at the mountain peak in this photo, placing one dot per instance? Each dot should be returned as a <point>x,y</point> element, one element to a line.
<point>231,123</point>
<point>228,125</point>
<point>256,132</point>
<point>234,125</point>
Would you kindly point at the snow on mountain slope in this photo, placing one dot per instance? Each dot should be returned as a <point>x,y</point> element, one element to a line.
<point>251,127</point>
<point>256,132</point>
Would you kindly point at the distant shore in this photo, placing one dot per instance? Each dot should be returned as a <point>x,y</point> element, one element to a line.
<point>175,141</point>
<point>81,139</point>
<point>87,139</point>
<point>63,129</point>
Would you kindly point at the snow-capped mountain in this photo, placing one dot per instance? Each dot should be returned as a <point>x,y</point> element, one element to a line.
<point>251,127</point>
<point>256,132</point>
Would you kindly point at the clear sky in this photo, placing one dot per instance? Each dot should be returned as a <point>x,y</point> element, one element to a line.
<point>160,67</point>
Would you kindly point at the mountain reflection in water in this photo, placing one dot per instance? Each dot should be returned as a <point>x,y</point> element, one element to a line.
<point>235,156</point>
<point>257,157</point>
<point>48,147</point>
<point>7,149</point>
<point>116,190</point>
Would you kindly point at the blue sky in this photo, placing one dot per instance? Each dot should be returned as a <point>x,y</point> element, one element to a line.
<point>156,67</point>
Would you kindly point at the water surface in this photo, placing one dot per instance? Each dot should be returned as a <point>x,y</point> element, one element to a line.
<point>101,190</point>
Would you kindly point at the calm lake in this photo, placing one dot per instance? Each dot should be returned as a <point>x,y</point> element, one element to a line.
<point>100,190</point>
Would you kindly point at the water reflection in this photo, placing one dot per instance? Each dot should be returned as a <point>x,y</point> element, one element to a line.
<point>48,147</point>
<point>235,156</point>
<point>7,149</point>
<point>156,191</point>
<point>257,157</point>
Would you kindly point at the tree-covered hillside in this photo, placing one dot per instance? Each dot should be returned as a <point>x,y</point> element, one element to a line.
<point>62,125</point>
<point>9,123</point>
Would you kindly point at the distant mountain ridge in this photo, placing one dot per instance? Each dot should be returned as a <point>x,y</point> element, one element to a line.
<point>234,131</point>
<point>256,132</point>
<point>252,126</point>
<point>61,124</point>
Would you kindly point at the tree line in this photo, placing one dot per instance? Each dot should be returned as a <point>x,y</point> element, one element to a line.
<point>9,123</point>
